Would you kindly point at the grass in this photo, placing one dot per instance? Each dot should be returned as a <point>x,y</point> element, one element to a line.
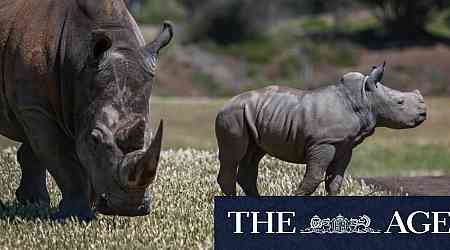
<point>182,215</point>
<point>189,123</point>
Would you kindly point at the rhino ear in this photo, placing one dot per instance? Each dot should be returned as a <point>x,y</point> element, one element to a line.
<point>377,72</point>
<point>162,40</point>
<point>375,76</point>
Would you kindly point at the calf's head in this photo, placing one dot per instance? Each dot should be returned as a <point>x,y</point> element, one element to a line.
<point>114,140</point>
<point>393,108</point>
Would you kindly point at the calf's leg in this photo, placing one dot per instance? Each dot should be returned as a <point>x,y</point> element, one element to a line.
<point>248,170</point>
<point>33,184</point>
<point>335,173</point>
<point>232,139</point>
<point>318,159</point>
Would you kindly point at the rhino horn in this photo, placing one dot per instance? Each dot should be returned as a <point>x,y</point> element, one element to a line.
<point>145,168</point>
<point>138,168</point>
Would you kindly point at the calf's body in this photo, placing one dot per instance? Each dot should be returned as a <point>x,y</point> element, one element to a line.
<point>318,128</point>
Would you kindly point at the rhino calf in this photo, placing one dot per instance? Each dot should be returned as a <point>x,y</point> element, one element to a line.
<point>317,128</point>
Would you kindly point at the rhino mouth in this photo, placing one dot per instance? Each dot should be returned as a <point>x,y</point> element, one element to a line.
<point>109,205</point>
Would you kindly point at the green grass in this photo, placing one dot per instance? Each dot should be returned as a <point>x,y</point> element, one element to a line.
<point>189,123</point>
<point>410,160</point>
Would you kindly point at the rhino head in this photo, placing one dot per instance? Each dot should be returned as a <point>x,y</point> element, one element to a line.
<point>393,108</point>
<point>114,141</point>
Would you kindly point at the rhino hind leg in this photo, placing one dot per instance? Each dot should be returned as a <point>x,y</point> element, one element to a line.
<point>33,184</point>
<point>248,170</point>
<point>318,160</point>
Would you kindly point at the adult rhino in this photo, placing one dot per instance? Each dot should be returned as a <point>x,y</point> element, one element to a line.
<point>319,128</point>
<point>76,80</point>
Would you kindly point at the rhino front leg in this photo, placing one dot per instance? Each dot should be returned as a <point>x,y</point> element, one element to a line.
<point>317,161</point>
<point>33,184</point>
<point>248,170</point>
<point>56,152</point>
<point>335,173</point>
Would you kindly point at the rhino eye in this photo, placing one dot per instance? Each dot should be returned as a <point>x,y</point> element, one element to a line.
<point>400,102</point>
<point>102,44</point>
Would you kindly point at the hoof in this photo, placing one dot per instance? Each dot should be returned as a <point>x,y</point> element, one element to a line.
<point>37,199</point>
<point>82,216</point>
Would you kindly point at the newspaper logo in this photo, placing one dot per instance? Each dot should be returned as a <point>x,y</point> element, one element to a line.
<point>340,225</point>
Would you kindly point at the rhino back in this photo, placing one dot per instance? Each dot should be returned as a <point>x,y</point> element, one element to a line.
<point>285,121</point>
<point>44,47</point>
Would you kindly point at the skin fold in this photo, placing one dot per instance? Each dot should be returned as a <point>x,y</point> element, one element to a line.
<point>318,128</point>
<point>76,81</point>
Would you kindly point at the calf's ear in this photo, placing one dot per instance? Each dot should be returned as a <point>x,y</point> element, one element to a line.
<point>375,76</point>
<point>377,72</point>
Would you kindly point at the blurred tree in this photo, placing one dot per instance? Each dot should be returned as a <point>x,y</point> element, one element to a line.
<point>229,21</point>
<point>405,17</point>
<point>155,11</point>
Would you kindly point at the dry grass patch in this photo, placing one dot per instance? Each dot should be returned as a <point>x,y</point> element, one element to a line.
<point>182,216</point>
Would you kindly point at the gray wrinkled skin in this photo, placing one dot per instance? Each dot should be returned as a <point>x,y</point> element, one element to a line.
<point>76,85</point>
<point>318,128</point>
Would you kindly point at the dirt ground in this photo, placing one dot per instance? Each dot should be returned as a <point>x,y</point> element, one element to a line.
<point>415,186</point>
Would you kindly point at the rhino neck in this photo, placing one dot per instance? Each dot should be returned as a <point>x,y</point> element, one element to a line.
<point>355,97</point>
<point>70,60</point>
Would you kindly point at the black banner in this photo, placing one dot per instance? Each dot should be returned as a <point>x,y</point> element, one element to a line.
<point>332,223</point>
